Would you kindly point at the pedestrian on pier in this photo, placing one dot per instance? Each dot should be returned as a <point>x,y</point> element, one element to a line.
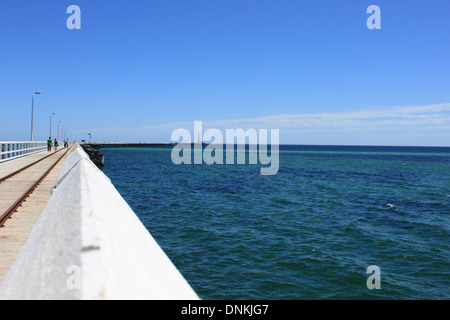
<point>49,144</point>
<point>56,144</point>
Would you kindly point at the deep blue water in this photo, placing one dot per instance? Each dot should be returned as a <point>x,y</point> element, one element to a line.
<point>308,232</point>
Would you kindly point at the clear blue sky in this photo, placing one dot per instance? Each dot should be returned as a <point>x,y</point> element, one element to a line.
<point>137,69</point>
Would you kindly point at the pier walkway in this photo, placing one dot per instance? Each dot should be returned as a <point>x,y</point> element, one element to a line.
<point>20,191</point>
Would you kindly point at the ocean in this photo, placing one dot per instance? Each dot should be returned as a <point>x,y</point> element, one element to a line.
<point>309,232</point>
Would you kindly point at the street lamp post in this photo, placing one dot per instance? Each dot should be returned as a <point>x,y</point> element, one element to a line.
<point>32,112</point>
<point>51,114</point>
<point>58,129</point>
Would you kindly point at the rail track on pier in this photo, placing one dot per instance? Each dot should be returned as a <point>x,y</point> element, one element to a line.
<point>17,186</point>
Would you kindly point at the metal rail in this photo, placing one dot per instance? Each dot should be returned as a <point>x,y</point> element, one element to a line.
<point>10,150</point>
<point>10,211</point>
<point>9,176</point>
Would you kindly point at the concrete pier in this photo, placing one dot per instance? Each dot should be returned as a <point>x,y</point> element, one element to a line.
<point>86,243</point>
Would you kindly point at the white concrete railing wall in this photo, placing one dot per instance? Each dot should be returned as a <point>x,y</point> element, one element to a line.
<point>89,244</point>
<point>14,149</point>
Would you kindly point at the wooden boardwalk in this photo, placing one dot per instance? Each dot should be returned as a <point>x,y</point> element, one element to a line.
<point>16,230</point>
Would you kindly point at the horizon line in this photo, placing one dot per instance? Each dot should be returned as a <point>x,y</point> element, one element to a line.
<point>280,144</point>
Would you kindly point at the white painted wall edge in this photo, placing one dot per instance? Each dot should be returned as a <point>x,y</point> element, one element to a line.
<point>89,244</point>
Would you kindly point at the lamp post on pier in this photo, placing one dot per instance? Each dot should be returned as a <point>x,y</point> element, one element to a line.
<point>51,114</point>
<point>58,130</point>
<point>32,113</point>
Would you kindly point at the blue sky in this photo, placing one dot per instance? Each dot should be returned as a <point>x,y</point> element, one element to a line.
<point>139,69</point>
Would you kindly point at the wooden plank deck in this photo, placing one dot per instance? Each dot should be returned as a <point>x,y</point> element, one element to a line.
<point>16,230</point>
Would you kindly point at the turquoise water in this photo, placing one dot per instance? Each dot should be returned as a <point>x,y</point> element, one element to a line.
<point>309,232</point>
